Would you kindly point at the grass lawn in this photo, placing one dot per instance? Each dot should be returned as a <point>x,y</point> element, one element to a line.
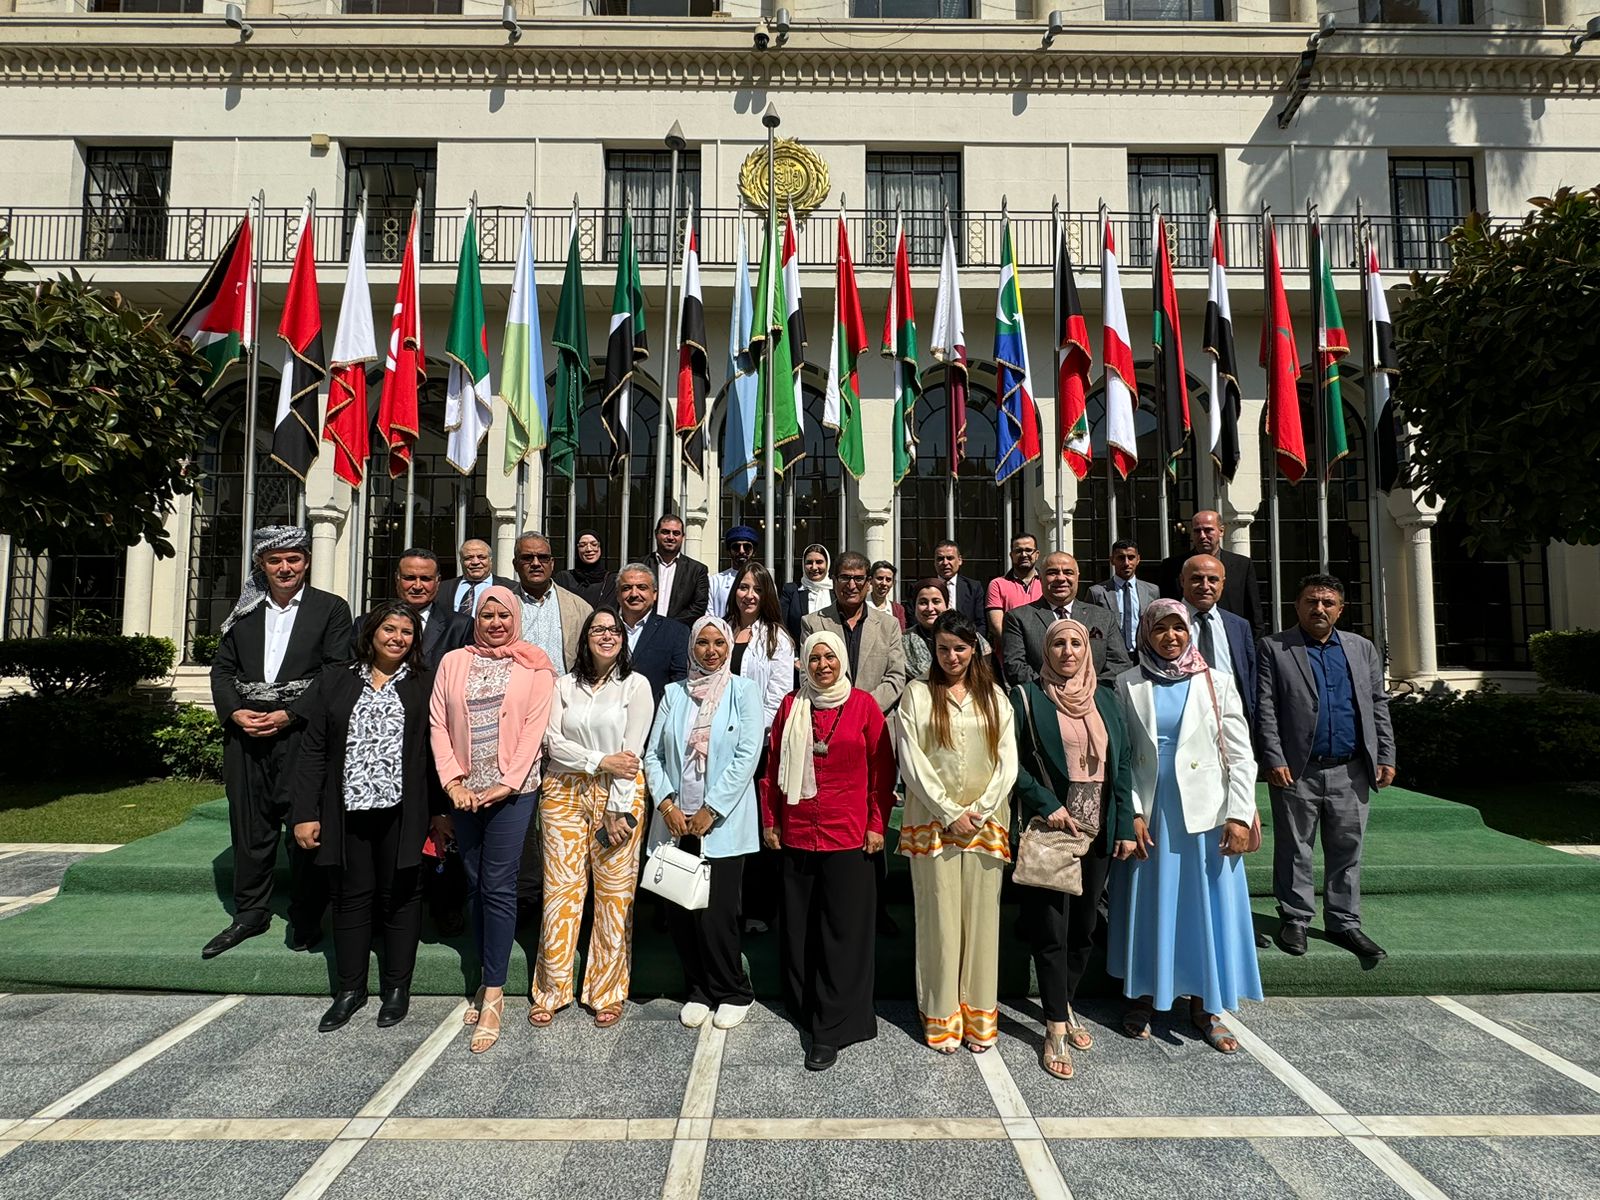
<point>1559,813</point>
<point>86,811</point>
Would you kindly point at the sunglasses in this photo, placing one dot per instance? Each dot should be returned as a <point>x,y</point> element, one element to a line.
<point>532,558</point>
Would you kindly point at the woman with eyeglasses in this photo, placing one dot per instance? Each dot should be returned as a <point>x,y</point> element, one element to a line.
<point>589,812</point>
<point>589,577</point>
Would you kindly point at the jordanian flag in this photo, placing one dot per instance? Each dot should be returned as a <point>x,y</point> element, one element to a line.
<point>948,345</point>
<point>694,371</point>
<point>1385,365</point>
<point>1172,381</point>
<point>468,394</point>
<point>571,341</point>
<point>841,405</point>
<point>405,368</point>
<point>1222,396</point>
<point>900,344</point>
<point>1116,351</point>
<point>1018,430</point>
<point>296,431</point>
<point>1282,363</point>
<point>770,344</point>
<point>1332,345</point>
<point>522,361</point>
<point>216,319</point>
<point>355,344</point>
<point>625,346</point>
<point>1072,366</point>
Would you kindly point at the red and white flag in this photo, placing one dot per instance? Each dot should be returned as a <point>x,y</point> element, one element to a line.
<point>405,370</point>
<point>1116,351</point>
<point>297,429</point>
<point>354,346</point>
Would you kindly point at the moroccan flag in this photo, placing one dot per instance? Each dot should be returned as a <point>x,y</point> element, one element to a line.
<point>1172,381</point>
<point>775,355</point>
<point>405,369</point>
<point>625,346</point>
<point>1222,396</point>
<point>900,344</point>
<point>949,346</point>
<point>1383,367</point>
<point>467,397</point>
<point>1282,363</point>
<point>297,430</point>
<point>354,346</point>
<point>694,372</point>
<point>1017,432</point>
<point>572,361</point>
<point>1332,345</point>
<point>739,426</point>
<point>522,361</point>
<point>1072,366</point>
<point>216,319</point>
<point>1116,352</point>
<point>841,406</point>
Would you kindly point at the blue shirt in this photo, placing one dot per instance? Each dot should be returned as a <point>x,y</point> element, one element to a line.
<point>1336,702</point>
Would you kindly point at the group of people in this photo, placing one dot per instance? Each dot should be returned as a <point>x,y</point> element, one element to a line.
<point>556,729</point>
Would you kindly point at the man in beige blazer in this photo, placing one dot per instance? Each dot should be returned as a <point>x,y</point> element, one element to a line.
<point>872,638</point>
<point>551,615</point>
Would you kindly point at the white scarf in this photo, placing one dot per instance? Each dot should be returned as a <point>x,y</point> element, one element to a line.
<point>797,766</point>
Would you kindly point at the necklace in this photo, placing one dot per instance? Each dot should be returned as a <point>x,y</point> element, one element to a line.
<point>819,746</point>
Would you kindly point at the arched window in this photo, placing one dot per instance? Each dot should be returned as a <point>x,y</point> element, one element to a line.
<point>599,502</point>
<point>924,493</point>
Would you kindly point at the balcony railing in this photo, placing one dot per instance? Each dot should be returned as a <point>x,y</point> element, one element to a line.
<point>49,237</point>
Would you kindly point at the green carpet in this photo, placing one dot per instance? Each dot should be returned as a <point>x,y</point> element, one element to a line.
<point>1461,909</point>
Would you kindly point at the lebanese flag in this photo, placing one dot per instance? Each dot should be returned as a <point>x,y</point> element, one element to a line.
<point>405,370</point>
<point>1072,366</point>
<point>841,404</point>
<point>296,430</point>
<point>1222,396</point>
<point>1172,379</point>
<point>1116,351</point>
<point>216,319</point>
<point>354,346</point>
<point>1385,365</point>
<point>1282,363</point>
<point>694,370</point>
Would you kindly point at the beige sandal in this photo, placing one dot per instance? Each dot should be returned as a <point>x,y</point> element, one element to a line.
<point>1078,1036</point>
<point>470,1016</point>
<point>1055,1058</point>
<point>484,1036</point>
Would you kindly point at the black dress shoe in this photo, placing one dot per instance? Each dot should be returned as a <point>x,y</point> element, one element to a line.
<point>1292,938</point>
<point>345,1005</point>
<point>820,1057</point>
<point>231,937</point>
<point>1262,941</point>
<point>396,1004</point>
<point>1357,943</point>
<point>305,939</point>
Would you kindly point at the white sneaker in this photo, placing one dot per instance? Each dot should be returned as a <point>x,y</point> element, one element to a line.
<point>730,1015</point>
<point>694,1014</point>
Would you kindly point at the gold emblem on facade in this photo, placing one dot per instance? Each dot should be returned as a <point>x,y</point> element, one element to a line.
<point>802,177</point>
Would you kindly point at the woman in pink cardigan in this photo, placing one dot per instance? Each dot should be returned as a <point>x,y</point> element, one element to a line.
<point>490,706</point>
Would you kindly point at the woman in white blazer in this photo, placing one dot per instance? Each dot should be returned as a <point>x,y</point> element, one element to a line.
<point>1180,908</point>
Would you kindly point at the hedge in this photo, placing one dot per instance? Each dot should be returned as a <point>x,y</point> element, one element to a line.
<point>1567,658</point>
<point>107,737</point>
<point>87,665</point>
<point>1488,735</point>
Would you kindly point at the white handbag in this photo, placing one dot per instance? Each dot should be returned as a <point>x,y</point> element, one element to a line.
<point>678,876</point>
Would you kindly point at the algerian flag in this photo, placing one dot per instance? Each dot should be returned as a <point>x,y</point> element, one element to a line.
<point>522,361</point>
<point>841,405</point>
<point>467,414</point>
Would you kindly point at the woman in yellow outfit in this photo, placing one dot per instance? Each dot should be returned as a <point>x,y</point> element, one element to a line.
<point>958,757</point>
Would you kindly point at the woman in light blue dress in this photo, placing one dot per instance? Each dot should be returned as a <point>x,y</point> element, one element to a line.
<point>1180,909</point>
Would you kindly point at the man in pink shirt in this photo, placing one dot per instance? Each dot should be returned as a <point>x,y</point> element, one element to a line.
<point>1016,587</point>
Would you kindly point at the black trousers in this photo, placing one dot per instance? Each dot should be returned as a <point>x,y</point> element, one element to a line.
<point>827,927</point>
<point>255,774</point>
<point>762,871</point>
<point>708,938</point>
<point>371,893</point>
<point>1061,931</point>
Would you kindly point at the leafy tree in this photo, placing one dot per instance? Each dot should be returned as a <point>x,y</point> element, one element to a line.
<point>102,416</point>
<point>1500,374</point>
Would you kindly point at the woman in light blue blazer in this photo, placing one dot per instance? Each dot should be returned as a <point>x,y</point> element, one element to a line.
<point>700,763</point>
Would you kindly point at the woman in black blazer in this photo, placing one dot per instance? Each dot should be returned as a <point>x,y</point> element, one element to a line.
<point>363,800</point>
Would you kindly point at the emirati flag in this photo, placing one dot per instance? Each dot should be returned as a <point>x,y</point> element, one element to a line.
<point>216,319</point>
<point>522,361</point>
<point>900,344</point>
<point>841,405</point>
<point>296,430</point>
<point>1072,365</point>
<point>467,412</point>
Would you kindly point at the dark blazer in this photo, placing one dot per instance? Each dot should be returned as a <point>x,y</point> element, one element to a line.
<point>1242,654</point>
<point>598,595</point>
<point>1286,703</point>
<point>447,589</point>
<point>971,597</point>
<point>321,636</point>
<point>662,655</point>
<point>318,791</point>
<point>1241,594</point>
<point>791,598</point>
<point>691,587</point>
<point>1042,773</point>
<point>1022,641</point>
<point>445,630</point>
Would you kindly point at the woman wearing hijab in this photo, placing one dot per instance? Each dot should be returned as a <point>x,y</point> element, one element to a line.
<point>958,758</point>
<point>1074,773</point>
<point>490,707</point>
<point>701,762</point>
<point>826,795</point>
<point>1180,909</point>
<point>812,593</point>
<point>930,600</point>
<point>589,577</point>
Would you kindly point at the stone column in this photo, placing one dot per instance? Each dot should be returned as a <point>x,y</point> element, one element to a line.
<point>137,588</point>
<point>879,525</point>
<point>326,521</point>
<point>1413,638</point>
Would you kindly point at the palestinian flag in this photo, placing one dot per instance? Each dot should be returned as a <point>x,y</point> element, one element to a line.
<point>1332,345</point>
<point>949,346</point>
<point>1385,364</point>
<point>354,346</point>
<point>297,430</point>
<point>468,394</point>
<point>900,344</point>
<point>1072,366</point>
<point>216,320</point>
<point>1222,396</point>
<point>625,346</point>
<point>571,342</point>
<point>1018,429</point>
<point>405,369</point>
<point>1116,352</point>
<point>841,405</point>
<point>774,354</point>
<point>1282,363</point>
<point>694,370</point>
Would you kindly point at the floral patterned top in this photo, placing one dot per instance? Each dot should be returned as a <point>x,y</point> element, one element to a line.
<point>487,680</point>
<point>373,747</point>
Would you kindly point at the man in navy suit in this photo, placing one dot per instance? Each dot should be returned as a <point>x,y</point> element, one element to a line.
<point>962,594</point>
<point>416,585</point>
<point>658,646</point>
<point>1224,638</point>
<point>463,592</point>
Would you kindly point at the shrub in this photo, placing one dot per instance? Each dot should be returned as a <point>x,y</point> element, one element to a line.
<point>191,743</point>
<point>1568,658</point>
<point>56,735</point>
<point>1482,736</point>
<point>203,648</point>
<point>94,665</point>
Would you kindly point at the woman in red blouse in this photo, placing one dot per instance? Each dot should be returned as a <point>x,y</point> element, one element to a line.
<point>825,801</point>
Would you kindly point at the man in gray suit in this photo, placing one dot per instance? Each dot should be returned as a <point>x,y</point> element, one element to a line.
<point>1323,720</point>
<point>871,637</point>
<point>1124,594</point>
<point>1022,633</point>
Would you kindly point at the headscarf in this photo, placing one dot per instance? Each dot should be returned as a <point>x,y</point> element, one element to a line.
<point>797,767</point>
<point>819,592</point>
<point>264,541</point>
<point>1169,670</point>
<point>706,687</point>
<point>589,576</point>
<point>523,652</point>
<point>1082,729</point>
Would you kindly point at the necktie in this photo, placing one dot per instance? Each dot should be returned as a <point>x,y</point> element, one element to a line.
<point>465,607</point>
<point>1208,644</point>
<point>1064,612</point>
<point>1129,617</point>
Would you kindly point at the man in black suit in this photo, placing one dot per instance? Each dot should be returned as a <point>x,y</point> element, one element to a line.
<point>683,583</point>
<point>658,648</point>
<point>274,645</point>
<point>464,591</point>
<point>1243,594</point>
<point>416,585</point>
<point>963,595</point>
<point>1223,638</point>
<point>1022,632</point>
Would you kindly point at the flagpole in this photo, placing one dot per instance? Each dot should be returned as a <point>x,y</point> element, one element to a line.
<point>358,497</point>
<point>1111,470</point>
<point>1274,540</point>
<point>675,143</point>
<point>409,524</point>
<point>464,484</point>
<point>253,386</point>
<point>1380,635</point>
<point>1057,233</point>
<point>1319,381</point>
<point>309,228</point>
<point>1208,485</point>
<point>572,478</point>
<point>1157,253</point>
<point>627,418</point>
<point>522,463</point>
<point>770,119</point>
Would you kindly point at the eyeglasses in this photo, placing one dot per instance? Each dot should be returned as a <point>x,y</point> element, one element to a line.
<point>605,631</point>
<point>531,558</point>
<point>858,580</point>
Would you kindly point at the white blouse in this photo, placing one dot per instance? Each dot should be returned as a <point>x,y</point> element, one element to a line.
<point>586,724</point>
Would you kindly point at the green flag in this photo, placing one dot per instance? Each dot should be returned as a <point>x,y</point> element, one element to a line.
<point>625,345</point>
<point>572,363</point>
<point>467,411</point>
<point>1332,345</point>
<point>772,350</point>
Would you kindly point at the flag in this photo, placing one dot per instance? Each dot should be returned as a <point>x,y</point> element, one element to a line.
<point>1116,352</point>
<point>467,411</point>
<point>841,406</point>
<point>739,426</point>
<point>296,430</point>
<point>900,344</point>
<point>625,346</point>
<point>949,346</point>
<point>571,342</point>
<point>405,368</point>
<point>1332,345</point>
<point>1384,364</point>
<point>216,319</point>
<point>1222,396</point>
<point>1282,363</point>
<point>1172,380</point>
<point>1017,432</point>
<point>1072,366</point>
<point>522,361</point>
<point>694,373</point>
<point>794,328</point>
<point>774,355</point>
<point>354,346</point>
